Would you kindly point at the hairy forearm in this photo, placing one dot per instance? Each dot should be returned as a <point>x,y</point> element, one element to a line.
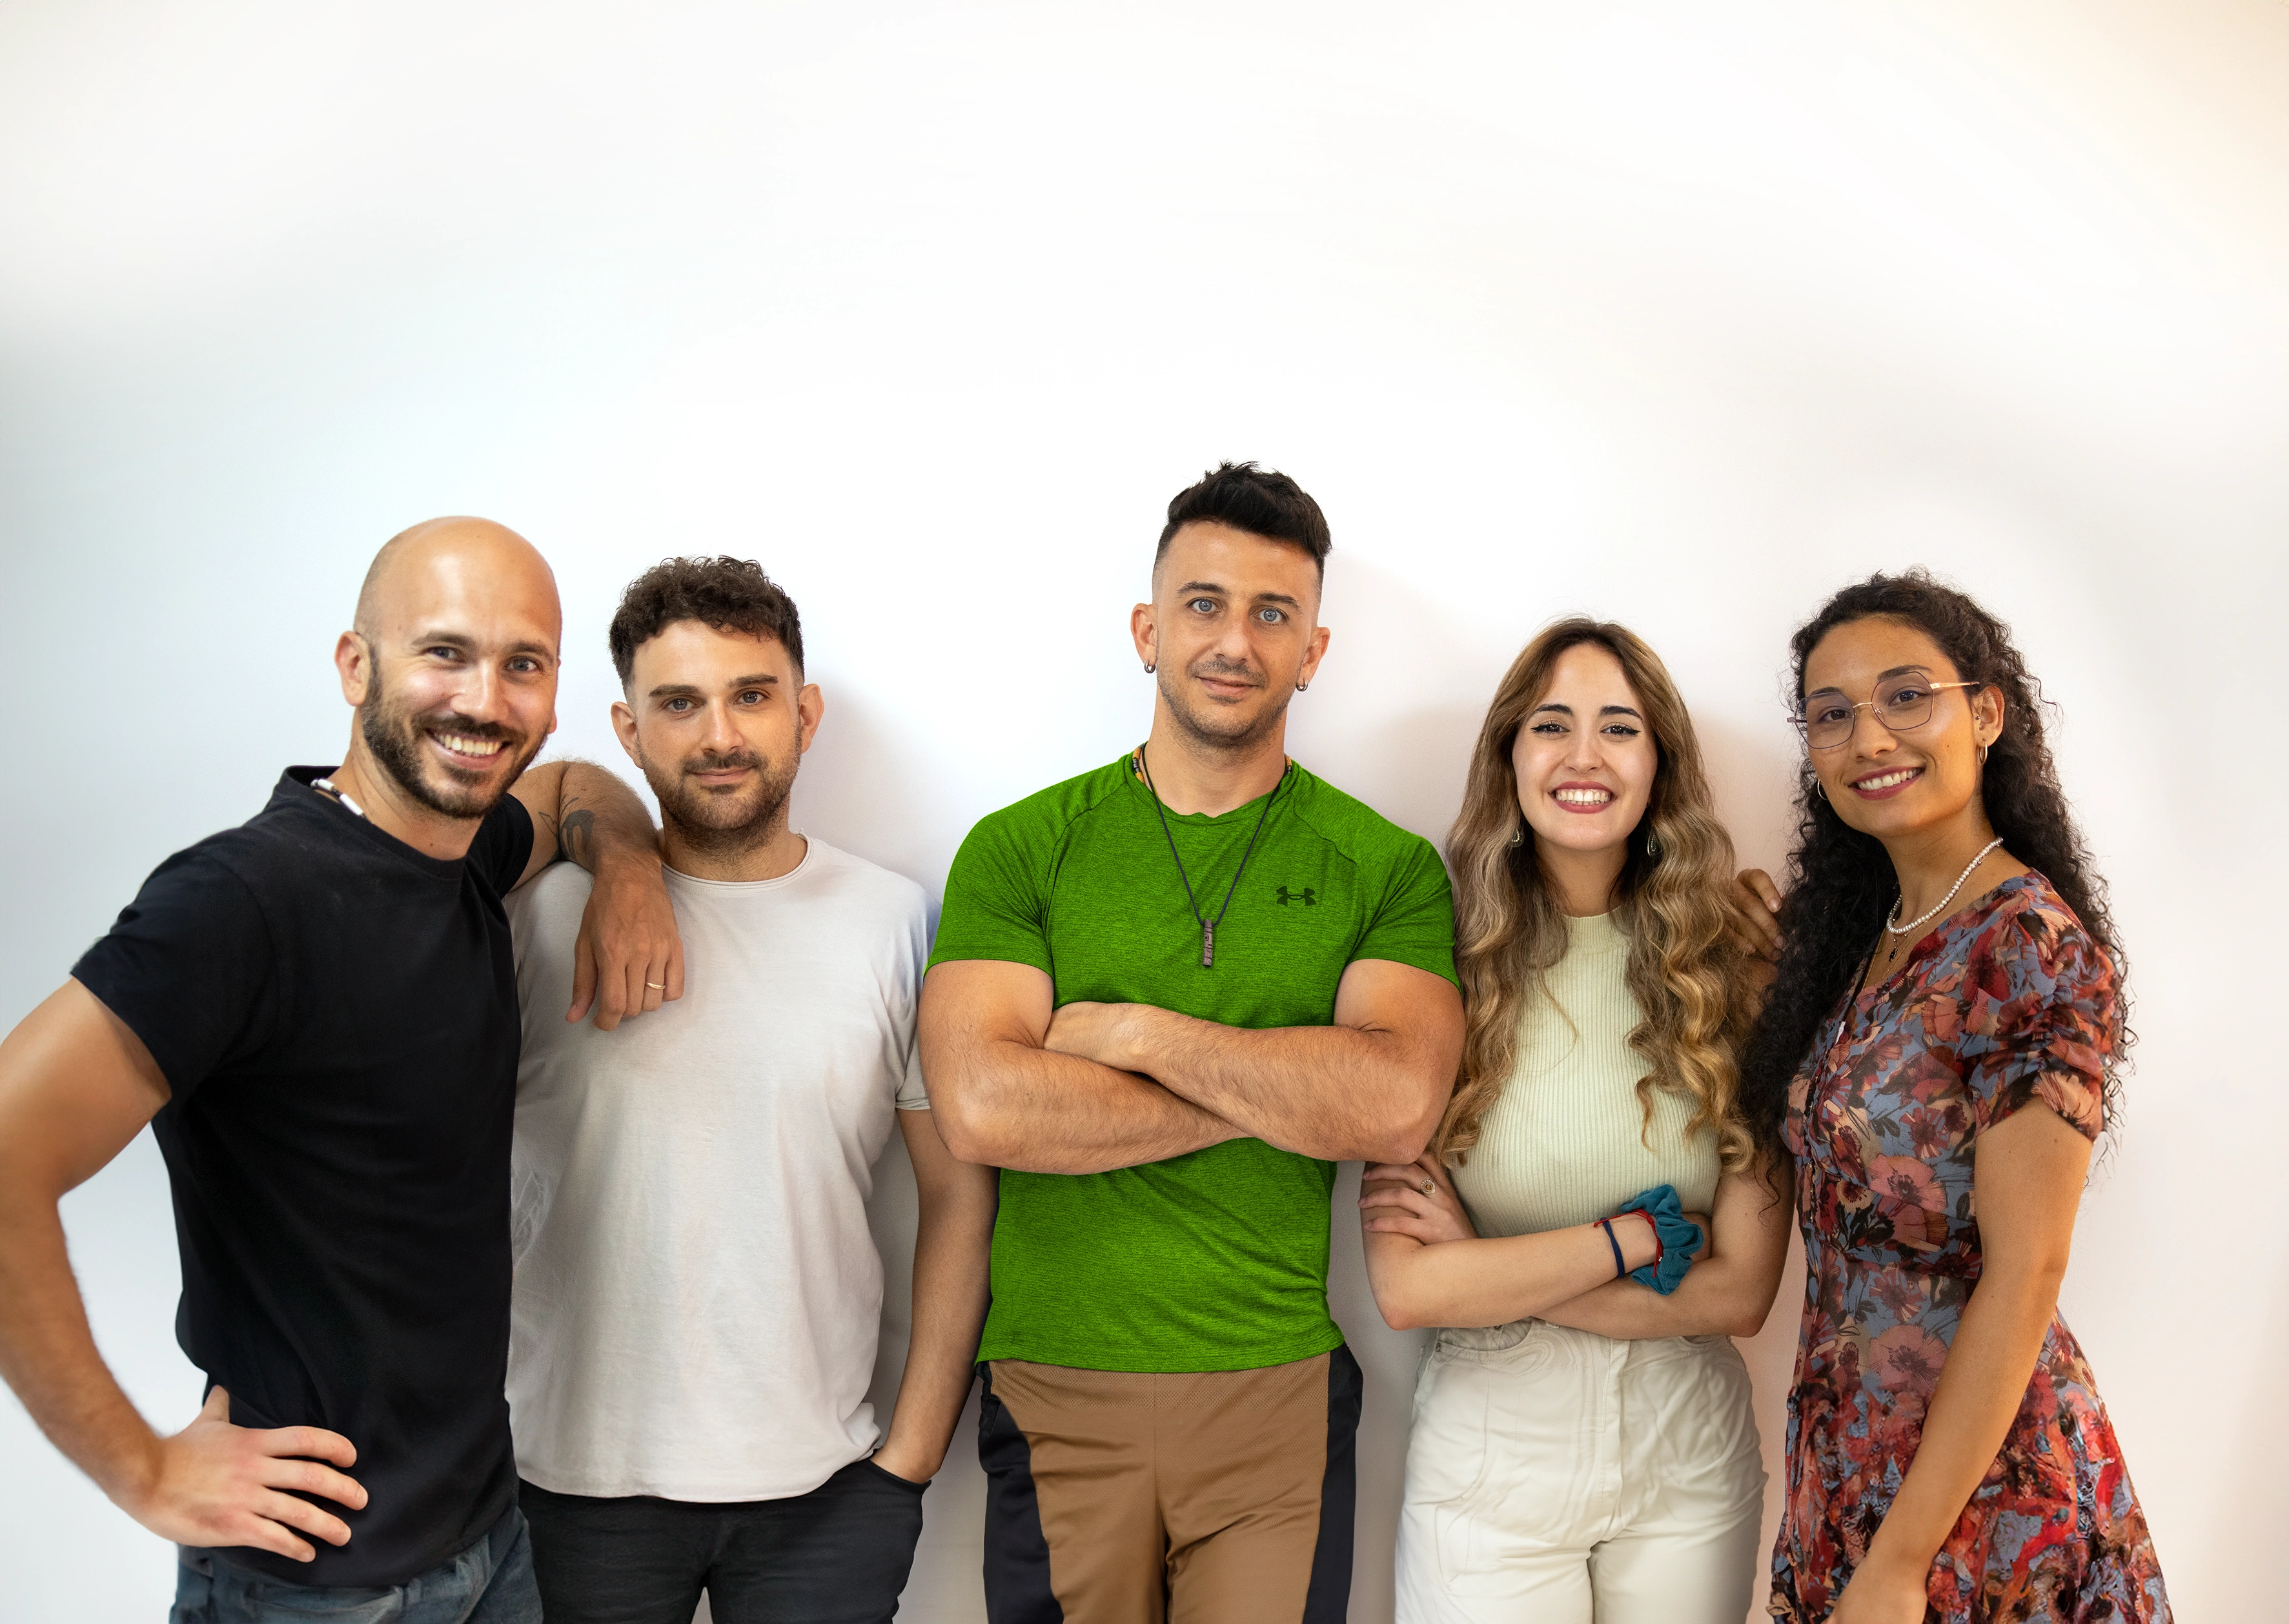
<point>600,820</point>
<point>1980,1389</point>
<point>951,1247</point>
<point>1009,1104</point>
<point>1337,1092</point>
<point>1491,1282</point>
<point>49,1356</point>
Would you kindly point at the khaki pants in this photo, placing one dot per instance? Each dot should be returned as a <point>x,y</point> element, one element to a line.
<point>1555,1476</point>
<point>1212,1497</point>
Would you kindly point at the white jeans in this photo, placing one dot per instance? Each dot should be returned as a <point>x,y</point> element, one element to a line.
<point>1558,1477</point>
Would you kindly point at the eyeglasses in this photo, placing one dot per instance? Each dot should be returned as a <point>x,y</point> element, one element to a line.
<point>1902,703</point>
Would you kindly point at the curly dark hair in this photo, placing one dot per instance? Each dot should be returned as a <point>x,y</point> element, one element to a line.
<point>731,594</point>
<point>1840,883</point>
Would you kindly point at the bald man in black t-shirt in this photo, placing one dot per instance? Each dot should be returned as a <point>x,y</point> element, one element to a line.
<point>318,1014</point>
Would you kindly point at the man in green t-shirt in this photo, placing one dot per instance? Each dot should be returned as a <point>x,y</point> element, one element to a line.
<point>1167,997</point>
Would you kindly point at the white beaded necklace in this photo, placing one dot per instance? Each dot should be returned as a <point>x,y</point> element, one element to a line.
<point>1902,930</point>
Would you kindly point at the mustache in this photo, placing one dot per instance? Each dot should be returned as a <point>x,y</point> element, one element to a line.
<point>1228,670</point>
<point>709,761</point>
<point>453,721</point>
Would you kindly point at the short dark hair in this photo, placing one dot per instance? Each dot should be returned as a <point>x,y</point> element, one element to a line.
<point>729,594</point>
<point>1254,500</point>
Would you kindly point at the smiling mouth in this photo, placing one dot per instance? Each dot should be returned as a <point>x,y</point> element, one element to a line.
<point>470,749</point>
<point>1886,781</point>
<point>1581,798</point>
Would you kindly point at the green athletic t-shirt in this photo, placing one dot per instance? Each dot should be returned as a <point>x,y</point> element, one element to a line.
<point>1217,1260</point>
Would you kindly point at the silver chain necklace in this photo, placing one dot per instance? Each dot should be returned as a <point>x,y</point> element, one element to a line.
<point>1902,930</point>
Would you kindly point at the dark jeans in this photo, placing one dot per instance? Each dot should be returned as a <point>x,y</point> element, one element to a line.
<point>489,1583</point>
<point>839,1554</point>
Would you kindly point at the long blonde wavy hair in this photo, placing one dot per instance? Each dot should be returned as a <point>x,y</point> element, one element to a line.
<point>1688,979</point>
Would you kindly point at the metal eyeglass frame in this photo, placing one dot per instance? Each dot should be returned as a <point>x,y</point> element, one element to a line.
<point>1803,725</point>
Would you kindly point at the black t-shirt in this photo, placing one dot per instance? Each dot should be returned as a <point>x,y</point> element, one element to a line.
<point>336,1015</point>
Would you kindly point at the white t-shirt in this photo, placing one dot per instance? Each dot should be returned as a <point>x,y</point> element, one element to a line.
<point>696,1291</point>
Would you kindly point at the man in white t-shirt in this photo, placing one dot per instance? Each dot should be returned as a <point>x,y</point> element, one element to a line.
<point>696,1291</point>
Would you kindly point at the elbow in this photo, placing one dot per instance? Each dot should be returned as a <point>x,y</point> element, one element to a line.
<point>966,1136</point>
<point>1745,1322</point>
<point>1398,1311</point>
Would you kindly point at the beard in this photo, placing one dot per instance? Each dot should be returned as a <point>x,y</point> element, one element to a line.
<point>393,734</point>
<point>1216,728</point>
<point>717,824</point>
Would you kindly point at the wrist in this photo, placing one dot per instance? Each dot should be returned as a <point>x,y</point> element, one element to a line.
<point>1640,1240</point>
<point>132,1482</point>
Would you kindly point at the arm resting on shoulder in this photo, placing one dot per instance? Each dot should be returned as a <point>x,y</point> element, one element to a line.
<point>1728,1289</point>
<point>953,1243</point>
<point>2027,1181</point>
<point>1369,1088</point>
<point>77,1085</point>
<point>628,957</point>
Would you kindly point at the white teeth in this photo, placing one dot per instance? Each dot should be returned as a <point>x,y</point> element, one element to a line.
<point>469,746</point>
<point>1581,797</point>
<point>1884,780</point>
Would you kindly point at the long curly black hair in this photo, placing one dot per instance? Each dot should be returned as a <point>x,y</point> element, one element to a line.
<point>1840,884</point>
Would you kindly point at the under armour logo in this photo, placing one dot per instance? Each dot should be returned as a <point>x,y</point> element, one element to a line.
<point>1307,896</point>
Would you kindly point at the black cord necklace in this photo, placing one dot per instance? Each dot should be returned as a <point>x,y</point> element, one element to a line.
<point>1208,926</point>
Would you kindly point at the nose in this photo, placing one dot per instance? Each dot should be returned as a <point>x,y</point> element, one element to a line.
<point>482,696</point>
<point>723,735</point>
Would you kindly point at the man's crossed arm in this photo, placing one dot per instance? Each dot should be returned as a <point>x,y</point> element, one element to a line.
<point>1089,1088</point>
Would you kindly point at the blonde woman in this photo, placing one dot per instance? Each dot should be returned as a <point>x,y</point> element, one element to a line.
<point>1582,1446</point>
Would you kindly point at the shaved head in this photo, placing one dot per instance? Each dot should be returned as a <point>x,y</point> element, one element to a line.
<point>408,562</point>
<point>451,666</point>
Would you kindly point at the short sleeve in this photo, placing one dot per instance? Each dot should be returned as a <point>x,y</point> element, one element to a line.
<point>503,845</point>
<point>913,1094</point>
<point>1415,922</point>
<point>2038,1022</point>
<point>996,898</point>
<point>187,966</point>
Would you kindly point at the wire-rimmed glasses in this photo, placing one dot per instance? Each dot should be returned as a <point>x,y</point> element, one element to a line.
<point>1903,701</point>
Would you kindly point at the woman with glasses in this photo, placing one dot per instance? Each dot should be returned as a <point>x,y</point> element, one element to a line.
<point>1582,1446</point>
<point>1936,1057</point>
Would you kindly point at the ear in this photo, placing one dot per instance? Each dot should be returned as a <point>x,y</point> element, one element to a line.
<point>353,661</point>
<point>1144,630</point>
<point>624,728</point>
<point>810,706</point>
<point>1313,653</point>
<point>1987,711</point>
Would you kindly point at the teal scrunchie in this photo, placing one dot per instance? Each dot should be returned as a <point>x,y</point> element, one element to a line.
<point>1681,1239</point>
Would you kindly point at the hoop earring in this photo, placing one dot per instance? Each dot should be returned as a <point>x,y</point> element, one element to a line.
<point>1819,789</point>
<point>1653,846</point>
<point>1518,835</point>
<point>1982,757</point>
<point>1149,668</point>
<point>1300,686</point>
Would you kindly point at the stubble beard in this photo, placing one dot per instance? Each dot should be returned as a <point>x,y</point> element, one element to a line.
<point>393,737</point>
<point>1211,731</point>
<point>721,826</point>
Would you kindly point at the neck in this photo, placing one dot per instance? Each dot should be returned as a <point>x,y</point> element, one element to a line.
<point>1193,776</point>
<point>734,855</point>
<point>390,809</point>
<point>1927,862</point>
<point>1584,881</point>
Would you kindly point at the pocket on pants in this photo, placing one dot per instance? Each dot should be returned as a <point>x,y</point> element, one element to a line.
<point>1493,1463</point>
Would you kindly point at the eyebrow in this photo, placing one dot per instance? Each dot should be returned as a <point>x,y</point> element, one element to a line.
<point>692,690</point>
<point>1881,676</point>
<point>1223,591</point>
<point>463,641</point>
<point>1603,710</point>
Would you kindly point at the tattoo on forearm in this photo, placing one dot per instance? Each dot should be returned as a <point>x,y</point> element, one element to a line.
<point>577,840</point>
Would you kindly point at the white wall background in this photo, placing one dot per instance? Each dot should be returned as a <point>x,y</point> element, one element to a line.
<point>1675,313</point>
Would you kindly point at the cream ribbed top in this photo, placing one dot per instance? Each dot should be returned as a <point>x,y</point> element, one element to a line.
<point>1562,1144</point>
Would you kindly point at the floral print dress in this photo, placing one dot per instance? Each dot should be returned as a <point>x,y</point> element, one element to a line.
<point>2004,1005</point>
